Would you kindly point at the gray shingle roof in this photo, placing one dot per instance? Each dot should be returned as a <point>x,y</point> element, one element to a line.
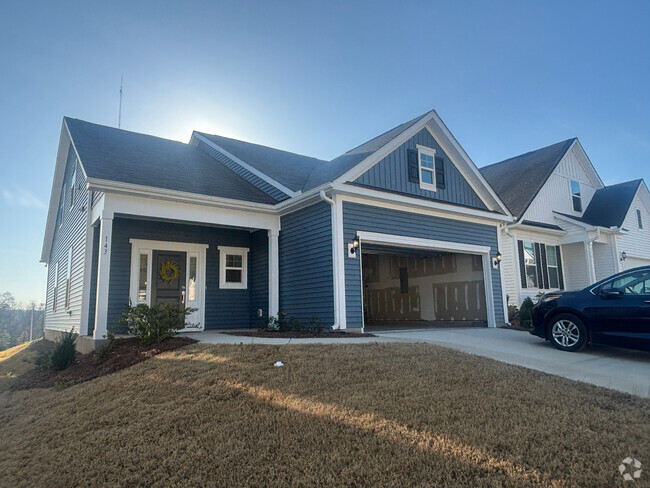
<point>610,205</point>
<point>118,155</point>
<point>299,172</point>
<point>518,180</point>
<point>290,169</point>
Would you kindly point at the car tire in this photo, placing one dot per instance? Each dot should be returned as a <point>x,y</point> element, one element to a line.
<point>567,332</point>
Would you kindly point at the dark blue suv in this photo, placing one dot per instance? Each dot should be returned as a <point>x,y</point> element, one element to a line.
<point>614,311</point>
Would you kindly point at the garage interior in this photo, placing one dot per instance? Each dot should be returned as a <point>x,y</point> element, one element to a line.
<point>422,288</point>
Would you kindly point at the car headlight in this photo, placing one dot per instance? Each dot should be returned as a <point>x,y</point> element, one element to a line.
<point>548,298</point>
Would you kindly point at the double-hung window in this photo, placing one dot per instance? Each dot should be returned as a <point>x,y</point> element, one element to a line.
<point>427,168</point>
<point>68,276</point>
<point>639,219</point>
<point>55,292</point>
<point>576,197</point>
<point>233,267</point>
<point>530,265</point>
<point>552,267</point>
<point>73,187</point>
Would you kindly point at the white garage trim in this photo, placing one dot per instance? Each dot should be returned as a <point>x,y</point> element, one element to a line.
<point>457,247</point>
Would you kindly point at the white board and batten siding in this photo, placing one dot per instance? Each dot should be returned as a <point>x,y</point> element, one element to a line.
<point>70,234</point>
<point>636,242</point>
<point>555,195</point>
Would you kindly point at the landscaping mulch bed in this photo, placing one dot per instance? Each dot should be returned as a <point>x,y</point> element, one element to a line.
<point>125,353</point>
<point>298,335</point>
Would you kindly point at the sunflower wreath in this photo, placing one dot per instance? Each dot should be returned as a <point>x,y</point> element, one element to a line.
<point>169,271</point>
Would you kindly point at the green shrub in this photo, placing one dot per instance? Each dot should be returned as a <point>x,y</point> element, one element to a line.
<point>154,324</point>
<point>102,351</point>
<point>525,317</point>
<point>64,352</point>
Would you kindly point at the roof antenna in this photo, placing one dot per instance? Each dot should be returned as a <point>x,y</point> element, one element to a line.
<point>119,117</point>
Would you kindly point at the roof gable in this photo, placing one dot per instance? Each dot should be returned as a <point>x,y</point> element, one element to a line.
<point>113,154</point>
<point>610,205</point>
<point>391,174</point>
<point>518,180</point>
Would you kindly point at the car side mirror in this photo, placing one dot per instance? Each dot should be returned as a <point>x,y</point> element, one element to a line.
<point>609,293</point>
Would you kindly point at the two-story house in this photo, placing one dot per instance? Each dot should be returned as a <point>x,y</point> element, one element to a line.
<point>402,228</point>
<point>570,230</point>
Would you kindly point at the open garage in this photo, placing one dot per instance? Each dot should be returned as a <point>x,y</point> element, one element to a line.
<point>422,287</point>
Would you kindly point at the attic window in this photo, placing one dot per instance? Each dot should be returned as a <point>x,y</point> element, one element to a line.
<point>427,168</point>
<point>73,187</point>
<point>639,219</point>
<point>576,197</point>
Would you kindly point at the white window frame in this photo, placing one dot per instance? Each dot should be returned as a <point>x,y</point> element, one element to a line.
<point>429,152</point>
<point>639,219</point>
<point>556,266</point>
<point>538,285</point>
<point>238,251</point>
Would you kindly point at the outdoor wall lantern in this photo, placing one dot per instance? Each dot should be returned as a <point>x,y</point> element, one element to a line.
<point>353,247</point>
<point>496,261</point>
<point>623,256</point>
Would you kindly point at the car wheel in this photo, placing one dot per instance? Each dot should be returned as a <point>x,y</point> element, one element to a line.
<point>567,333</point>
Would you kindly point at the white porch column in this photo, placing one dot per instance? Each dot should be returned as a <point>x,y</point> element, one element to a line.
<point>589,256</point>
<point>103,272</point>
<point>274,273</point>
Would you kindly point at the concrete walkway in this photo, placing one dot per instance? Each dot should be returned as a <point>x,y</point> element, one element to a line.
<point>620,369</point>
<point>230,337</point>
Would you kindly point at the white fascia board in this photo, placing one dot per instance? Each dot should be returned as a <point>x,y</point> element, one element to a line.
<point>174,195</point>
<point>382,152</point>
<point>303,200</point>
<point>417,205</point>
<point>139,206</point>
<point>55,194</point>
<point>469,164</point>
<point>255,171</point>
<point>587,164</point>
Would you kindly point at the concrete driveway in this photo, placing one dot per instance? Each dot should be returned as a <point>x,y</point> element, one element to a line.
<point>620,369</point>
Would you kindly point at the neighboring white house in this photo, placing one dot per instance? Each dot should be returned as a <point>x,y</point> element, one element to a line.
<point>570,230</point>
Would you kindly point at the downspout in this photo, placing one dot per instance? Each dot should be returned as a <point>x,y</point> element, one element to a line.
<point>589,248</point>
<point>515,265</point>
<point>335,253</point>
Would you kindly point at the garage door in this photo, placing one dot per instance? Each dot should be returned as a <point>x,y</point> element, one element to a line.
<point>631,262</point>
<point>421,287</point>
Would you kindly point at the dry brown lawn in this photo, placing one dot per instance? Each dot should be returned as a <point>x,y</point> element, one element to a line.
<point>341,415</point>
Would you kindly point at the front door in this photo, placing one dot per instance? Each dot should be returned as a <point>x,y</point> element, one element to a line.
<point>168,277</point>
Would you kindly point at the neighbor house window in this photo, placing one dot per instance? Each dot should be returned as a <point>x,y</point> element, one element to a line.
<point>59,216</point>
<point>426,159</point>
<point>55,293</point>
<point>552,267</point>
<point>73,184</point>
<point>639,219</point>
<point>530,263</point>
<point>576,197</point>
<point>233,267</point>
<point>68,275</point>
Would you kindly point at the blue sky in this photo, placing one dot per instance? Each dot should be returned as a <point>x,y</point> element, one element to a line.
<point>316,78</point>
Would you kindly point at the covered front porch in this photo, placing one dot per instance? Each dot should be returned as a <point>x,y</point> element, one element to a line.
<point>223,262</point>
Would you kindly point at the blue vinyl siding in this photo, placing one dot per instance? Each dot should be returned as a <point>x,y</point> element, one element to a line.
<point>357,217</point>
<point>249,176</point>
<point>306,275</point>
<point>258,261</point>
<point>223,308</point>
<point>71,233</point>
<point>391,174</point>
